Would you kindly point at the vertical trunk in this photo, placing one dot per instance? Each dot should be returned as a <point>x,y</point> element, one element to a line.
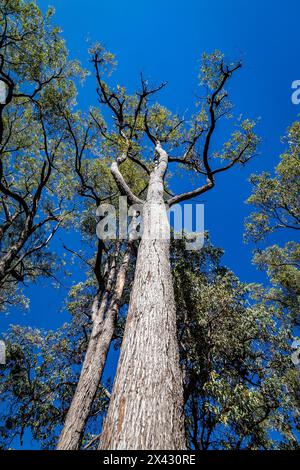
<point>146,406</point>
<point>95,358</point>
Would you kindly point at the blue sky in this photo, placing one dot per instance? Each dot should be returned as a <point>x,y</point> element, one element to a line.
<point>165,39</point>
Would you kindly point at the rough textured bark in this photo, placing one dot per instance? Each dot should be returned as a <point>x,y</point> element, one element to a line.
<point>146,406</point>
<point>104,320</point>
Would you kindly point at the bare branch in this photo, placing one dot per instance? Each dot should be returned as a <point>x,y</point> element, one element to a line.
<point>234,161</point>
<point>190,194</point>
<point>147,129</point>
<point>121,183</point>
<point>92,441</point>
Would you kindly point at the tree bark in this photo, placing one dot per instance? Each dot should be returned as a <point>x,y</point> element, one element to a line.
<point>95,358</point>
<point>146,406</point>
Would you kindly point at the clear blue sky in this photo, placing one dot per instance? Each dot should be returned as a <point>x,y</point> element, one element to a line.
<point>165,39</point>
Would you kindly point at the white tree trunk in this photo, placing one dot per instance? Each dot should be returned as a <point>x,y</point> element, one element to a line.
<point>146,407</point>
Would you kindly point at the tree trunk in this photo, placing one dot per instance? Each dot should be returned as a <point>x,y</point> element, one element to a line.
<point>95,358</point>
<point>146,406</point>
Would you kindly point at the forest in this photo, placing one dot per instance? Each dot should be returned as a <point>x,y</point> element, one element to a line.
<point>137,337</point>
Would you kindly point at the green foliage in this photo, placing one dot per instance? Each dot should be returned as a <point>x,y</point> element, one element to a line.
<point>35,181</point>
<point>39,380</point>
<point>239,379</point>
<point>276,200</point>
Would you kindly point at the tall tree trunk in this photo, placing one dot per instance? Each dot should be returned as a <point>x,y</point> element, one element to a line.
<point>146,406</point>
<point>104,320</point>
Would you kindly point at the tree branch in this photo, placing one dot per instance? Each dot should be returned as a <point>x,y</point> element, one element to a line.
<point>121,183</point>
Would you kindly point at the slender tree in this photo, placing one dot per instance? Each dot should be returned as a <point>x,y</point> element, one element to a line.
<point>104,320</point>
<point>109,267</point>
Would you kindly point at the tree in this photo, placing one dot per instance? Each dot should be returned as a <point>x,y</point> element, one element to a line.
<point>104,317</point>
<point>276,200</point>
<point>38,83</point>
<point>239,380</point>
<point>110,266</point>
<point>146,407</point>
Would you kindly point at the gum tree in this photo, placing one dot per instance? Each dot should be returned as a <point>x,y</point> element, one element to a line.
<point>276,201</point>
<point>35,77</point>
<point>239,380</point>
<point>146,406</point>
<point>107,274</point>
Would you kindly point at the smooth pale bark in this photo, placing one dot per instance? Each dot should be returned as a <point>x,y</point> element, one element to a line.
<point>146,406</point>
<point>104,320</point>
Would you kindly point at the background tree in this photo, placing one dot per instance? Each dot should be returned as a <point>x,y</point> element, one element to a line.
<point>239,379</point>
<point>38,84</point>
<point>276,200</point>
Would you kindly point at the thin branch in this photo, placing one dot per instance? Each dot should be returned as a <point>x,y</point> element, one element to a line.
<point>92,441</point>
<point>190,194</point>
